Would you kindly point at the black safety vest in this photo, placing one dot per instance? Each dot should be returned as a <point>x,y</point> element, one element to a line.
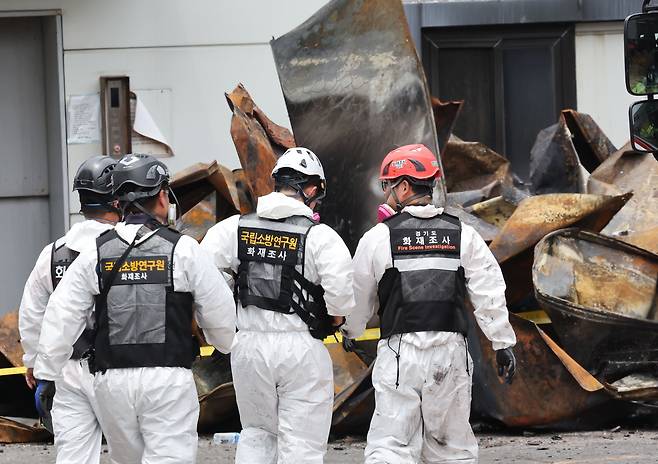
<point>143,322</point>
<point>271,270</point>
<point>61,257</point>
<point>425,289</point>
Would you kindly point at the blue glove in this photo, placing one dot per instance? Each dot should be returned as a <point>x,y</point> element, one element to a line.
<point>43,401</point>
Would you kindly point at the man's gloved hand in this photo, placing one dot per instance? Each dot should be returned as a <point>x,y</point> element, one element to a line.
<point>43,400</point>
<point>348,344</point>
<point>506,364</point>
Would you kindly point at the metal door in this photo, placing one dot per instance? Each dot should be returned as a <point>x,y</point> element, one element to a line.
<point>515,80</point>
<point>24,192</point>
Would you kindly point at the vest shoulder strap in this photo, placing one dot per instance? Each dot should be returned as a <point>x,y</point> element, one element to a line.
<point>169,234</point>
<point>451,219</point>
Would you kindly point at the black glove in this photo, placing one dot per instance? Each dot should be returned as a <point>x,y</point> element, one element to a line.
<point>348,344</point>
<point>43,400</point>
<point>506,364</point>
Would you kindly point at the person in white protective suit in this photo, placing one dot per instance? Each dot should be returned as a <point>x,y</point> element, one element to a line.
<point>75,425</point>
<point>415,269</point>
<point>294,282</point>
<point>147,283</point>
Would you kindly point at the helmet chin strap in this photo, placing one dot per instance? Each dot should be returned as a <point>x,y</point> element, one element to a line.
<point>399,205</point>
<point>143,210</point>
<point>305,199</point>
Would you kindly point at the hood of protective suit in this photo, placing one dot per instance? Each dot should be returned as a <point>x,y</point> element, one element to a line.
<point>83,234</point>
<point>423,211</point>
<point>128,232</point>
<point>276,205</point>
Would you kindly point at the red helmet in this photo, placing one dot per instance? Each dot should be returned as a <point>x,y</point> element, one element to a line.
<point>415,161</point>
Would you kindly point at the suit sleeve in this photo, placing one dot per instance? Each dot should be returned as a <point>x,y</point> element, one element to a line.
<point>486,288</point>
<point>333,264</point>
<point>33,306</point>
<point>214,306</point>
<point>221,244</point>
<point>370,262</point>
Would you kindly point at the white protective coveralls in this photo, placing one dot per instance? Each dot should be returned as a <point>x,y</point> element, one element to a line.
<point>77,432</point>
<point>425,419</point>
<point>148,414</point>
<point>283,376</point>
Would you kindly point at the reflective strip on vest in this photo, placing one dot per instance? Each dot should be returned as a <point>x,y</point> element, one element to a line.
<point>417,264</point>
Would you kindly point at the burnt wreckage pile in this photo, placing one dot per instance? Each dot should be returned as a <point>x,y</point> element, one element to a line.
<point>577,245</point>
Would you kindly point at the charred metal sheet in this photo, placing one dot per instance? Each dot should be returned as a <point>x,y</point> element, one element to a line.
<point>600,293</point>
<point>199,219</point>
<point>473,166</point>
<point>591,144</point>
<point>16,399</point>
<point>218,410</point>
<point>214,383</point>
<point>628,171</point>
<point>496,211</point>
<point>544,392</point>
<point>196,182</point>
<point>17,432</point>
<point>445,115</point>
<point>637,387</point>
<point>247,200</point>
<point>10,339</point>
<point>554,164</point>
<point>348,368</point>
<point>471,197</point>
<point>258,141</point>
<point>537,216</point>
<point>355,89</point>
<point>487,231</point>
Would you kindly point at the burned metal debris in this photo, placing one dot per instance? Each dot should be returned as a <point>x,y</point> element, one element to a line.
<point>535,217</point>
<point>258,141</point>
<point>637,221</point>
<point>600,294</point>
<point>355,89</point>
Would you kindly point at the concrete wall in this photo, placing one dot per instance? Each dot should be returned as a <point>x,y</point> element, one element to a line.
<point>601,88</point>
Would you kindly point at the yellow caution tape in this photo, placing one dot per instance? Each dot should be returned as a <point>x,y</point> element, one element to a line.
<point>369,334</point>
<point>13,370</point>
<point>207,350</point>
<point>538,317</point>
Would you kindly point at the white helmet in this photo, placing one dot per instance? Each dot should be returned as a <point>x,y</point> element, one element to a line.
<point>302,160</point>
<point>297,167</point>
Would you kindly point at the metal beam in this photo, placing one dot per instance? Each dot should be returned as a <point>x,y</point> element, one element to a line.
<point>446,13</point>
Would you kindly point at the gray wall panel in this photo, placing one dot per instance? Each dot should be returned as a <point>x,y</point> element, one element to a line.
<point>22,110</point>
<point>23,235</point>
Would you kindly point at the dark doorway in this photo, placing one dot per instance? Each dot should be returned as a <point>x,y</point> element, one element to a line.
<point>515,80</point>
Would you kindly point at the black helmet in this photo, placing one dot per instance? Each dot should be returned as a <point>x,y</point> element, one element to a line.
<point>93,182</point>
<point>138,177</point>
<point>95,175</point>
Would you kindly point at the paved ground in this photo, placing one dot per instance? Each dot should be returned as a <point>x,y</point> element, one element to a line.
<point>621,447</point>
